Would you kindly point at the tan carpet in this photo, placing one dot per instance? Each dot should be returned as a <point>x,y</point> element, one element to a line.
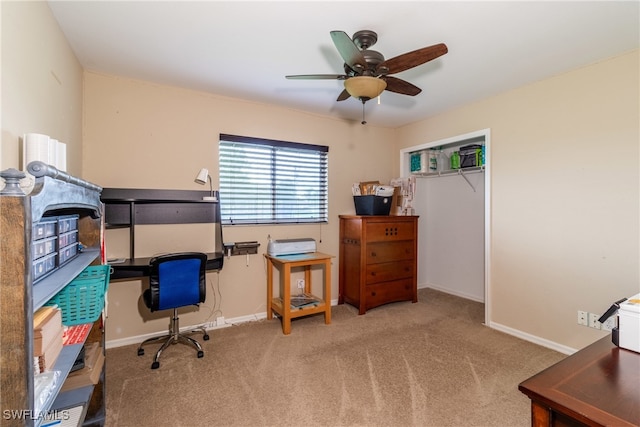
<point>432,363</point>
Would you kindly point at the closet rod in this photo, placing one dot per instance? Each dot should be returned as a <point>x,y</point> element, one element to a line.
<point>461,172</point>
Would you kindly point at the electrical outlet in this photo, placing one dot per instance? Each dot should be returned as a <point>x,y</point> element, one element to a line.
<point>593,321</point>
<point>609,324</point>
<point>220,321</point>
<point>583,318</point>
<point>300,283</point>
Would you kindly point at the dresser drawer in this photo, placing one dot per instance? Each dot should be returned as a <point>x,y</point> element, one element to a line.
<point>388,252</point>
<point>382,293</point>
<point>387,271</point>
<point>391,230</point>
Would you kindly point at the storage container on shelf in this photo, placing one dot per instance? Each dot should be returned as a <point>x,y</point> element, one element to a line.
<point>433,161</point>
<point>419,161</point>
<point>442,161</point>
<point>372,205</point>
<point>470,155</point>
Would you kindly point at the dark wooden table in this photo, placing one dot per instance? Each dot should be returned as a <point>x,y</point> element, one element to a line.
<point>596,386</point>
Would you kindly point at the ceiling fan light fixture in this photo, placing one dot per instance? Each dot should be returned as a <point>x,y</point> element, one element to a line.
<point>364,88</point>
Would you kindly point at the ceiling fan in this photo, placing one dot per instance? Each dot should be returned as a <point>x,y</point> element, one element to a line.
<point>366,72</point>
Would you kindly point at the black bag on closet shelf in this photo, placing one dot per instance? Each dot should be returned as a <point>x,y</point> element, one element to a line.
<point>470,155</point>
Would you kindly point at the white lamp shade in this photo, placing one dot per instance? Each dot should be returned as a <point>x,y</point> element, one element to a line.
<point>202,176</point>
<point>364,87</point>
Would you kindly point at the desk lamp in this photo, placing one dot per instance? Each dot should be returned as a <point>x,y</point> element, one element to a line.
<point>202,177</point>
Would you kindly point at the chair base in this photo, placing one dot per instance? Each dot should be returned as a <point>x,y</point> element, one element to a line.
<point>174,337</point>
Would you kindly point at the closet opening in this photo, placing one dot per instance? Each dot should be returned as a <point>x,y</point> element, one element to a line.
<point>452,199</point>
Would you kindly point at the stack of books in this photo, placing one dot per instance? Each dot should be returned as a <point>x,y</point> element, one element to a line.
<point>304,300</point>
<point>47,338</point>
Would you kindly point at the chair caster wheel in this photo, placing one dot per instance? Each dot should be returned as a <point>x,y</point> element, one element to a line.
<point>141,352</point>
<point>200,354</point>
<point>155,365</point>
<point>206,337</point>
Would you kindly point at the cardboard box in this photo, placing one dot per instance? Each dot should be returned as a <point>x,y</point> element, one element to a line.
<point>90,374</point>
<point>47,324</point>
<point>47,359</point>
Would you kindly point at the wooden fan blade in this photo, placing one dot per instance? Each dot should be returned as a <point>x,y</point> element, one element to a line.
<point>400,86</point>
<point>343,95</point>
<point>352,56</point>
<point>317,77</point>
<point>414,58</point>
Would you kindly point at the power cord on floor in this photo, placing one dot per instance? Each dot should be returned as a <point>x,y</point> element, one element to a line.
<point>217,299</point>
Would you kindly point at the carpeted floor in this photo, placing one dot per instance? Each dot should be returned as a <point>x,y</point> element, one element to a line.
<point>432,363</point>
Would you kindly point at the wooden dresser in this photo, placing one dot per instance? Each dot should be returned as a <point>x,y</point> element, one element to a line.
<point>378,256</point>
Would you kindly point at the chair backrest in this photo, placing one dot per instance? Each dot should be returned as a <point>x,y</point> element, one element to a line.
<point>177,280</point>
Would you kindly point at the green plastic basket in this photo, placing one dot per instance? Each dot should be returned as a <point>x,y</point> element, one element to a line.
<point>82,300</point>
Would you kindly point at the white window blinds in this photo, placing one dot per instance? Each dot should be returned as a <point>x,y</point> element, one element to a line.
<point>272,182</point>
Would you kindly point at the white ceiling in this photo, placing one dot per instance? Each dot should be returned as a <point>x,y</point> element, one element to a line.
<point>244,49</point>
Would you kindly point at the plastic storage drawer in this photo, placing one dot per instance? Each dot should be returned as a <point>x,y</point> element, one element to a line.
<point>67,223</point>
<point>44,228</point>
<point>68,238</point>
<point>42,247</point>
<point>43,266</point>
<point>67,253</point>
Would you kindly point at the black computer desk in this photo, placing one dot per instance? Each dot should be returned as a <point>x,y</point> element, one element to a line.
<point>139,267</point>
<point>128,207</point>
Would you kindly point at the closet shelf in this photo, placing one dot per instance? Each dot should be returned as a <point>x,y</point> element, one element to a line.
<point>451,172</point>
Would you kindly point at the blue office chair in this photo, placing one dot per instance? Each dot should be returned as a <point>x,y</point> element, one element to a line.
<point>175,280</point>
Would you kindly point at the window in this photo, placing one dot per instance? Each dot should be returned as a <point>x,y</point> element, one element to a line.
<point>272,182</point>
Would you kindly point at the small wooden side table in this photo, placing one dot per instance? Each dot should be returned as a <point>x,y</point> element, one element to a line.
<point>282,304</point>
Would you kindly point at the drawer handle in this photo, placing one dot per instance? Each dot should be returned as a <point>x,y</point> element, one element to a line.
<point>373,273</point>
<point>373,294</point>
<point>373,254</point>
<point>391,231</point>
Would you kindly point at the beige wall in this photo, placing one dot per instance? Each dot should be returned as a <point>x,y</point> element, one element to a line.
<point>41,83</point>
<point>565,173</point>
<point>565,196</point>
<point>142,135</point>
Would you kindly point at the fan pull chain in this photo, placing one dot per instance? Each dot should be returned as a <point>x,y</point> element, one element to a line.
<point>363,120</point>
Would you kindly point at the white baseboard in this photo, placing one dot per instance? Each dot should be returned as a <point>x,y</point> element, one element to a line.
<point>507,330</point>
<point>209,326</point>
<point>137,339</point>
<point>532,338</point>
<point>452,292</point>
